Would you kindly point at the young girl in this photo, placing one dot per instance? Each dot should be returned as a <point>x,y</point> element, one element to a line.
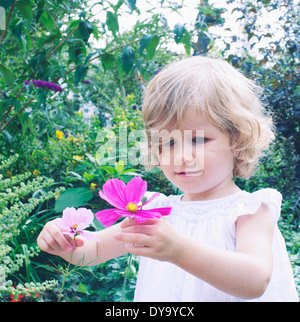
<point>219,243</point>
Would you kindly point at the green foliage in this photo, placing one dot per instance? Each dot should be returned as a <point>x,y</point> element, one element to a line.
<point>20,196</point>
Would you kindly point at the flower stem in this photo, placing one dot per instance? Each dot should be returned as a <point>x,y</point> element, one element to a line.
<point>126,277</point>
<point>66,274</point>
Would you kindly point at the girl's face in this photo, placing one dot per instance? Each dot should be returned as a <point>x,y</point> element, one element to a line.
<point>197,159</point>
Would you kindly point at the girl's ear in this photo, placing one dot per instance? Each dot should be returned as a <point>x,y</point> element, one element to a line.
<point>236,153</point>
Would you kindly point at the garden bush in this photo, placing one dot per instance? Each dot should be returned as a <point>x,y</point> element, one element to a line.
<point>20,199</point>
<point>58,62</point>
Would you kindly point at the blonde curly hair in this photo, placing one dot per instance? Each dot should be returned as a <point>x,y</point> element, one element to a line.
<point>211,86</point>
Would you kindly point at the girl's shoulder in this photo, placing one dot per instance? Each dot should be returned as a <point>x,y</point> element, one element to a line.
<point>250,202</point>
<point>235,205</point>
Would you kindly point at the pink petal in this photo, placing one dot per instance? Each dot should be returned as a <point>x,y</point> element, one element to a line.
<point>124,213</point>
<point>164,211</point>
<point>67,219</point>
<point>81,217</point>
<point>151,198</point>
<point>114,193</point>
<point>107,217</point>
<point>144,215</point>
<point>135,190</point>
<point>58,222</point>
<point>85,218</point>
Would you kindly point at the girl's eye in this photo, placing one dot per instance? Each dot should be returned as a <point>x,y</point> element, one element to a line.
<point>171,143</point>
<point>167,144</point>
<point>199,140</point>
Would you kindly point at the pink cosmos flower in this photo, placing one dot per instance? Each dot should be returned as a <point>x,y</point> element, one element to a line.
<point>73,222</point>
<point>128,202</point>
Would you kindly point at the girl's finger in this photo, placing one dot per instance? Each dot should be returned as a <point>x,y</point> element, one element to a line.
<point>139,228</point>
<point>44,245</point>
<point>67,244</point>
<point>131,222</point>
<point>135,238</point>
<point>138,250</point>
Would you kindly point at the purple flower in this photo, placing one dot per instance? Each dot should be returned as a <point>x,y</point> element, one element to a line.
<point>73,222</point>
<point>45,84</point>
<point>128,202</point>
<point>86,82</point>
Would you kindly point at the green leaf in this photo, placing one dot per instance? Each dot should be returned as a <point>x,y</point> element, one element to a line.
<point>25,10</point>
<point>85,30</point>
<point>112,22</point>
<point>120,69</point>
<point>7,74</point>
<point>6,3</point>
<point>178,31</point>
<point>108,61</point>
<point>152,46</point>
<point>74,197</point>
<point>82,288</point>
<point>120,166</point>
<point>186,40</point>
<point>127,59</point>
<point>144,42</point>
<point>109,169</point>
<point>132,4</point>
<point>47,20</point>
<point>117,6</point>
<point>80,73</point>
<point>88,176</point>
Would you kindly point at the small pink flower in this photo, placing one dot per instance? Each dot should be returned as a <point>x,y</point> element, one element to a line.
<point>128,202</point>
<point>73,222</point>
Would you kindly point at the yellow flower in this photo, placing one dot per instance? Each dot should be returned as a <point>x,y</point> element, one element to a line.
<point>59,134</point>
<point>8,173</point>
<point>130,97</point>
<point>73,139</point>
<point>36,173</point>
<point>77,157</point>
<point>131,124</point>
<point>93,186</point>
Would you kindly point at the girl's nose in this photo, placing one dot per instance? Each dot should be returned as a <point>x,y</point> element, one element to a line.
<point>184,155</point>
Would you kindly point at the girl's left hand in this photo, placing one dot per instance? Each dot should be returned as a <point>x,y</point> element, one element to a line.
<point>155,238</point>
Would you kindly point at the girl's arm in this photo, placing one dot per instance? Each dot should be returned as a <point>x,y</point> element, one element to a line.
<point>244,273</point>
<point>85,252</point>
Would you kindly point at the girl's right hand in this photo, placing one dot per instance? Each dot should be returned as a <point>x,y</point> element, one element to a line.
<point>53,241</point>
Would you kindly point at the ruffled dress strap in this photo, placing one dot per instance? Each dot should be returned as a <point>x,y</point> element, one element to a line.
<point>251,202</point>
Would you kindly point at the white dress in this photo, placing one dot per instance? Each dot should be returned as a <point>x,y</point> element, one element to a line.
<point>213,222</point>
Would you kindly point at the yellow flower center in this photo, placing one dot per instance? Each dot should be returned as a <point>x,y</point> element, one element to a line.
<point>74,227</point>
<point>131,207</point>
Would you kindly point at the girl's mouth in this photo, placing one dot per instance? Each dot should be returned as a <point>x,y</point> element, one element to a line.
<point>189,173</point>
